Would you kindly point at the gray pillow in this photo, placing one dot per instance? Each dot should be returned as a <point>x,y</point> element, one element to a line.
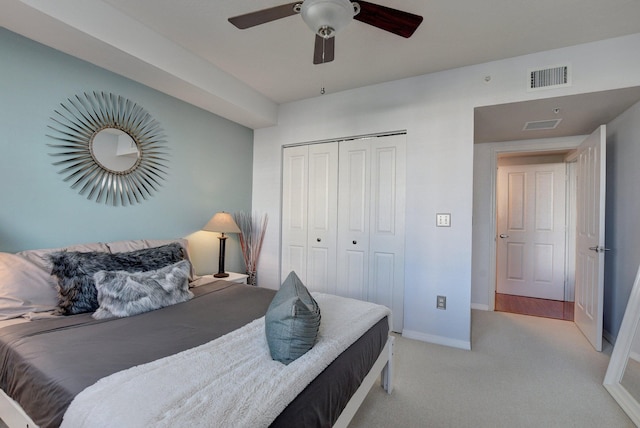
<point>74,271</point>
<point>122,294</point>
<point>139,244</point>
<point>25,288</point>
<point>292,321</point>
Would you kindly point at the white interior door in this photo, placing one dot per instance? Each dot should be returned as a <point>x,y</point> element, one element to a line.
<point>322,217</point>
<point>531,230</point>
<point>309,214</point>
<point>353,218</point>
<point>371,222</point>
<point>295,182</point>
<point>590,206</point>
<point>343,219</point>
<point>386,226</point>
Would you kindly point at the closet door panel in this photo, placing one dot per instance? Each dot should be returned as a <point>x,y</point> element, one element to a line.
<point>353,219</point>
<point>354,188</point>
<point>355,276</point>
<point>383,191</point>
<point>318,273</point>
<point>386,246</point>
<point>295,180</point>
<point>322,217</point>
<point>382,279</point>
<point>296,256</point>
<point>343,219</point>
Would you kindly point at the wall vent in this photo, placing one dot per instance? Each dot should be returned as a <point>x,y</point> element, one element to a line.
<point>539,125</point>
<point>552,77</point>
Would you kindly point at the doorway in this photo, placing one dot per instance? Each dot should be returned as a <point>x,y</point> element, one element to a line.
<point>498,129</point>
<point>535,214</point>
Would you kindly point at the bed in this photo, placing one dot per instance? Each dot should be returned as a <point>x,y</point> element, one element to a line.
<point>50,363</point>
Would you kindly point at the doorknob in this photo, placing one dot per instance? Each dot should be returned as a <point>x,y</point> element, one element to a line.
<point>502,235</point>
<point>599,249</point>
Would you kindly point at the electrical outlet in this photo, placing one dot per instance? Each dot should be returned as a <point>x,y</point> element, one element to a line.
<point>443,220</point>
<point>441,302</point>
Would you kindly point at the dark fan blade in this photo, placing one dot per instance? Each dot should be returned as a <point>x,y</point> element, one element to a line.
<point>324,50</point>
<point>395,21</point>
<point>262,16</point>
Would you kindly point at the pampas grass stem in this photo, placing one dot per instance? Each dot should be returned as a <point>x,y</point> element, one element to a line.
<point>252,230</point>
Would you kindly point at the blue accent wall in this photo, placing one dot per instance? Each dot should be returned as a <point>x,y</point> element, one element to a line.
<point>210,160</point>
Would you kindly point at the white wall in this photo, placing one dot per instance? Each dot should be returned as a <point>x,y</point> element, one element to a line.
<point>436,110</point>
<point>622,227</point>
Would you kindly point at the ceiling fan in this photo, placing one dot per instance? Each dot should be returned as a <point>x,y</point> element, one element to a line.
<point>327,17</point>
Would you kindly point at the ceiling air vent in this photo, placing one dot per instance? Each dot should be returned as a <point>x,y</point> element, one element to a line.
<point>539,125</point>
<point>547,78</point>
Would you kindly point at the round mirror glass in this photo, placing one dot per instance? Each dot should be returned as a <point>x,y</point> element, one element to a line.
<point>115,150</point>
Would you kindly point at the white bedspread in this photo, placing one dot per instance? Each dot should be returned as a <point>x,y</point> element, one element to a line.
<point>231,381</point>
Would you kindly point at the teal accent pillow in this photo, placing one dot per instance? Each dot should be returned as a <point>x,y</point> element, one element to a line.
<point>292,321</point>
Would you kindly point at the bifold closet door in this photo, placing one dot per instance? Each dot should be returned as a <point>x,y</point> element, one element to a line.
<point>371,202</point>
<point>309,214</point>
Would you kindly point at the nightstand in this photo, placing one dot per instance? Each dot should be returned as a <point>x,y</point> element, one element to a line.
<point>236,277</point>
<point>233,277</point>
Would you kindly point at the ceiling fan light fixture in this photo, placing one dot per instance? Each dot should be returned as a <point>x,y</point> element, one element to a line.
<point>327,17</point>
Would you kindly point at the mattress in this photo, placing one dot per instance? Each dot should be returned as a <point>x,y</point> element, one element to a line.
<point>45,363</point>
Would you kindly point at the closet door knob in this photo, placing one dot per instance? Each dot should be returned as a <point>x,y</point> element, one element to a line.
<point>355,242</point>
<point>318,239</point>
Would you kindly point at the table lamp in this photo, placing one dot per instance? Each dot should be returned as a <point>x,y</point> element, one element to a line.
<point>221,222</point>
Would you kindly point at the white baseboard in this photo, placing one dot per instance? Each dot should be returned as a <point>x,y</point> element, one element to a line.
<point>609,337</point>
<point>438,340</point>
<point>480,306</point>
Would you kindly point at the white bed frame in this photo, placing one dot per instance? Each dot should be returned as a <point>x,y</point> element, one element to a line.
<point>383,367</point>
<point>14,416</point>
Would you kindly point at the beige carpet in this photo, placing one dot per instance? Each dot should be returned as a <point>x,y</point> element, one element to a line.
<point>522,372</point>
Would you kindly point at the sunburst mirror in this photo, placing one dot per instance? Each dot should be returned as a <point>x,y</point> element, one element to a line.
<point>111,148</point>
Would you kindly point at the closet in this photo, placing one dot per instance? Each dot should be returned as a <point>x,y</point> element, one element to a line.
<point>343,218</point>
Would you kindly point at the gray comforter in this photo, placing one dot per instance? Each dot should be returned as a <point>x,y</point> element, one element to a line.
<point>51,361</point>
<point>46,363</point>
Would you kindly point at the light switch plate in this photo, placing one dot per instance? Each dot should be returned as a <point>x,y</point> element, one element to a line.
<point>443,220</point>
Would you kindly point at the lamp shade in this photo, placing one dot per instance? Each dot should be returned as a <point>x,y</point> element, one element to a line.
<point>222,222</point>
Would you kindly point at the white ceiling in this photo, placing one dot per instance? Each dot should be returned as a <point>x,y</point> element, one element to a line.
<point>188,49</point>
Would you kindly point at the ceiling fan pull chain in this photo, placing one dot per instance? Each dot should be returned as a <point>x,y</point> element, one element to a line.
<point>324,45</point>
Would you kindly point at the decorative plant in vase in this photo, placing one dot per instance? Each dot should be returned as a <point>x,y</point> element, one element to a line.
<point>252,229</point>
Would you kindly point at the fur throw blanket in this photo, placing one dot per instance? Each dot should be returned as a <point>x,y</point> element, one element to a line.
<point>231,381</point>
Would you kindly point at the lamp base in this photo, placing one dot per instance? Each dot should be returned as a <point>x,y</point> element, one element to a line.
<point>221,273</point>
